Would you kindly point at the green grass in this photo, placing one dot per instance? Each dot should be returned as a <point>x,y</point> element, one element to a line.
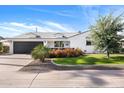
<point>91,59</point>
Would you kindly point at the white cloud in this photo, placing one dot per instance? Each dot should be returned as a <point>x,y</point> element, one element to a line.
<point>19,25</point>
<point>60,13</point>
<point>23,25</point>
<point>46,26</point>
<point>56,25</point>
<point>9,28</point>
<point>16,28</point>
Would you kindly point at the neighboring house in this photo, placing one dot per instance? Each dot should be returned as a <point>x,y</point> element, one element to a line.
<point>26,42</point>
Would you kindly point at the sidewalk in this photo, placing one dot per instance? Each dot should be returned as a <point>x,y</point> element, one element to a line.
<point>17,71</point>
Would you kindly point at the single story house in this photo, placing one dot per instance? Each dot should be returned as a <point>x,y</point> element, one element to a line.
<point>24,43</point>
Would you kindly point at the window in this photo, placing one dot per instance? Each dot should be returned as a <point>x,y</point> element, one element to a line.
<point>67,44</point>
<point>59,44</point>
<point>88,42</point>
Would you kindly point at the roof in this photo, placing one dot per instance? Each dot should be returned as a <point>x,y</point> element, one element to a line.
<point>47,35</point>
<point>79,33</point>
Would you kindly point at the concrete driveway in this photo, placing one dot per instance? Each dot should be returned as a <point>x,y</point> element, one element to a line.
<point>13,74</point>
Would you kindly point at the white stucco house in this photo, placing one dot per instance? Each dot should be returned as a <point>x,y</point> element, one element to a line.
<point>26,42</point>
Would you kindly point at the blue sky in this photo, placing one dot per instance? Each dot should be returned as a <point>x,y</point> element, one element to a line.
<point>15,20</point>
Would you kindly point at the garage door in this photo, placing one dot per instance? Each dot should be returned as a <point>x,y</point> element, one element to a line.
<point>24,47</point>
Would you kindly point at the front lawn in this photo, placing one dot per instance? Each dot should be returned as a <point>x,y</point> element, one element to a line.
<point>91,59</point>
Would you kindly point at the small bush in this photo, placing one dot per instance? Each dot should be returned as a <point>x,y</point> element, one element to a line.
<point>5,49</point>
<point>67,52</point>
<point>40,52</point>
<point>1,48</point>
<point>122,50</point>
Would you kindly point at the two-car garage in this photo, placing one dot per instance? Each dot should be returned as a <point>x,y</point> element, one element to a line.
<point>24,47</point>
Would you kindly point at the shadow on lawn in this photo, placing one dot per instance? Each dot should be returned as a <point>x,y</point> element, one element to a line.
<point>116,58</point>
<point>90,60</point>
<point>104,60</point>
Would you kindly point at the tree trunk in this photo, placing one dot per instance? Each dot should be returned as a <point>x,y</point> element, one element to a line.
<point>108,54</point>
<point>42,60</point>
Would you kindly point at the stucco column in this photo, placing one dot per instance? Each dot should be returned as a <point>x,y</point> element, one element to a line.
<point>45,43</point>
<point>11,47</point>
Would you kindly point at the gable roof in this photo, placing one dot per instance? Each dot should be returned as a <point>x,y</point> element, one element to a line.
<point>79,33</point>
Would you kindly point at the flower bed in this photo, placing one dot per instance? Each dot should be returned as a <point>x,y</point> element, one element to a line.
<point>67,52</point>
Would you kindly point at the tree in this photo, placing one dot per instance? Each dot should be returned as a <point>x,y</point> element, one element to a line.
<point>1,47</point>
<point>40,52</point>
<point>104,33</point>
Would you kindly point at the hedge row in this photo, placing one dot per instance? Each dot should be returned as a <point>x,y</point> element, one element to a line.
<point>67,52</point>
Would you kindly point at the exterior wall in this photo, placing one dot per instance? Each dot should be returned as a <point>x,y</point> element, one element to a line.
<point>6,43</point>
<point>79,41</point>
<point>47,42</point>
<point>11,47</point>
<point>50,44</point>
<point>67,44</point>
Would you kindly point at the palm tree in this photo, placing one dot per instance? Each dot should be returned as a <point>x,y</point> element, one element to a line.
<point>40,52</point>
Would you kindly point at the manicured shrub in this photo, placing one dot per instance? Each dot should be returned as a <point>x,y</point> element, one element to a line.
<point>67,52</point>
<point>78,52</point>
<point>5,49</point>
<point>40,52</point>
<point>70,52</point>
<point>58,53</point>
<point>1,48</point>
